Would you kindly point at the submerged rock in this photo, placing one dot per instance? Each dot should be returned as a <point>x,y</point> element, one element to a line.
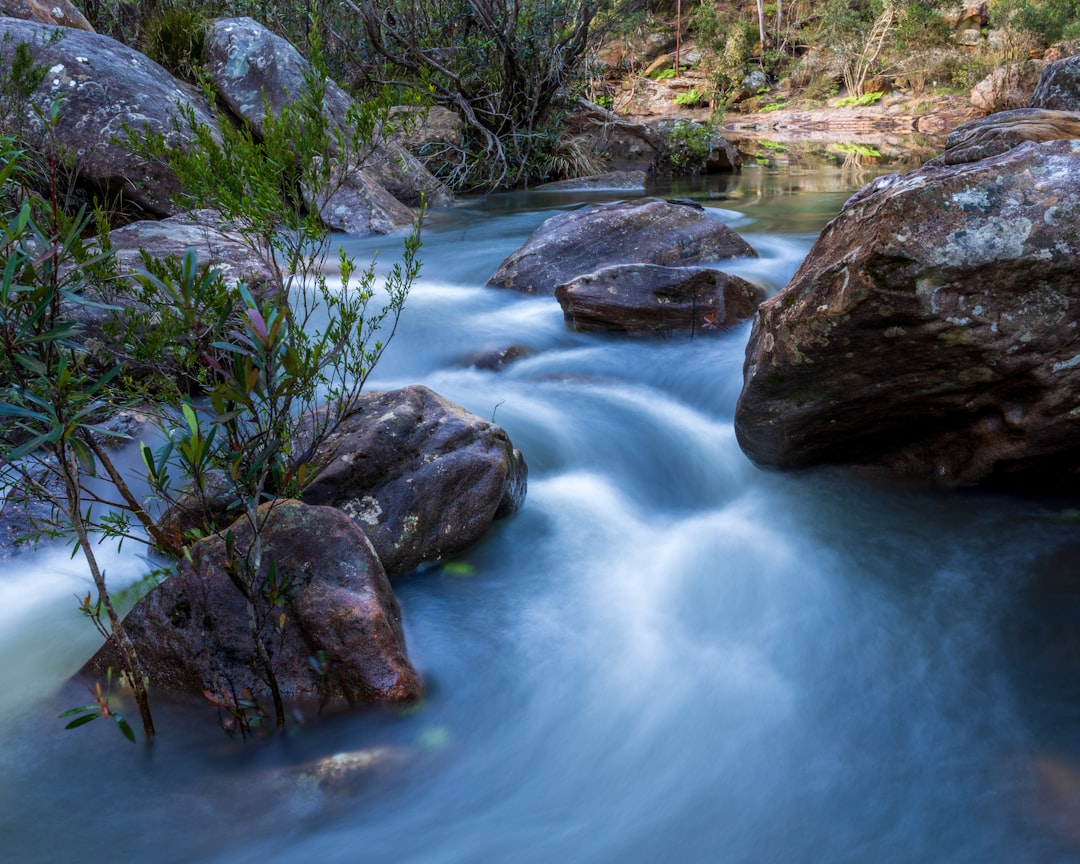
<point>645,231</point>
<point>933,329</point>
<point>192,630</point>
<point>423,477</point>
<point>633,181</point>
<point>648,298</point>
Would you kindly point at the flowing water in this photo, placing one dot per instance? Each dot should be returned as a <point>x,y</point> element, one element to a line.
<point>667,655</point>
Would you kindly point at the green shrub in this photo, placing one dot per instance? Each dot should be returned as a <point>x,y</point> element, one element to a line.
<point>860,101</point>
<point>690,99</point>
<point>175,37</point>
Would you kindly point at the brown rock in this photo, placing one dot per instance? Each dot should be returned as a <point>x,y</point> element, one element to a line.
<point>192,631</point>
<point>647,298</point>
<point>999,133</point>
<point>423,477</point>
<point>645,231</point>
<point>933,329</point>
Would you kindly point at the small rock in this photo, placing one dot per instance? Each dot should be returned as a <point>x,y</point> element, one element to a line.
<point>647,298</point>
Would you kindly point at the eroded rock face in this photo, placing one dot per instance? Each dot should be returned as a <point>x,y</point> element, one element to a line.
<point>254,68</point>
<point>423,477</point>
<point>999,133</point>
<point>192,630</point>
<point>647,298</point>
<point>1059,86</point>
<point>104,86</point>
<point>933,329</point>
<point>645,231</point>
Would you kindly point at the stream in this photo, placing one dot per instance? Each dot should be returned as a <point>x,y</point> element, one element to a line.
<point>666,656</point>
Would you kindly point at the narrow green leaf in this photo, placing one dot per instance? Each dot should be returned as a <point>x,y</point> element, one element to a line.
<point>125,727</point>
<point>71,711</point>
<point>82,721</point>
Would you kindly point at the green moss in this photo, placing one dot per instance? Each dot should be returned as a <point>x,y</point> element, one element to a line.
<point>956,336</point>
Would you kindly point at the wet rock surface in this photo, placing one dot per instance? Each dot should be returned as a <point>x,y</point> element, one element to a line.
<point>650,299</point>
<point>932,330</point>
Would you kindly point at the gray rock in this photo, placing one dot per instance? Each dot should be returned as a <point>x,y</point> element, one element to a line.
<point>1059,86</point>
<point>645,231</point>
<point>103,87</point>
<point>254,69</point>
<point>647,298</point>
<point>215,243</point>
<point>932,330</point>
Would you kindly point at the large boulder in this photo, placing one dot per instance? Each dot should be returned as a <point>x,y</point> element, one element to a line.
<point>215,243</point>
<point>644,231</point>
<point>102,87</point>
<point>648,298</point>
<point>255,70</point>
<point>933,329</point>
<point>999,133</point>
<point>423,477</point>
<point>1059,86</point>
<point>193,636</point>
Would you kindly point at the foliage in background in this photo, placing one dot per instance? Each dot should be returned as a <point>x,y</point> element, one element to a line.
<point>503,67</point>
<point>175,37</point>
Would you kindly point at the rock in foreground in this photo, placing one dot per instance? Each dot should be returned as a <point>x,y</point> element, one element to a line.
<point>644,231</point>
<point>192,630</point>
<point>647,298</point>
<point>933,329</point>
